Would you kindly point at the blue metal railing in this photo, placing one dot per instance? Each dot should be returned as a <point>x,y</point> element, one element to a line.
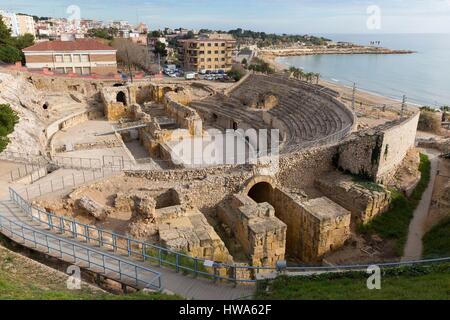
<point>114,267</point>
<point>181,262</point>
<point>121,244</point>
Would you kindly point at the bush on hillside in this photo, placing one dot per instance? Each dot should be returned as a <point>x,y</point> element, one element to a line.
<point>8,119</point>
<point>430,121</point>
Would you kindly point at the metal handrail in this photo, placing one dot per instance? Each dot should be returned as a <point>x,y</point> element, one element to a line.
<point>107,267</point>
<point>132,247</point>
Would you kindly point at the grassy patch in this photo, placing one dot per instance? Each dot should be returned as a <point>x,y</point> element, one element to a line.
<point>406,283</point>
<point>436,243</point>
<point>394,224</point>
<point>23,279</point>
<point>8,119</point>
<point>369,185</point>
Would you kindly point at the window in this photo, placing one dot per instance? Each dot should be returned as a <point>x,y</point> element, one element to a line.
<point>223,51</point>
<point>209,52</point>
<point>202,59</point>
<point>59,70</point>
<point>78,70</point>
<point>76,58</point>
<point>223,44</point>
<point>216,52</point>
<point>85,58</point>
<point>223,66</point>
<point>223,59</point>
<point>216,44</point>
<point>216,59</point>
<point>58,58</point>
<point>86,70</point>
<point>209,59</point>
<point>67,58</point>
<point>202,52</point>
<point>209,44</point>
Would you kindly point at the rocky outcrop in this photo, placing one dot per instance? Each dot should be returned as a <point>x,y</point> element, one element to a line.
<point>93,208</point>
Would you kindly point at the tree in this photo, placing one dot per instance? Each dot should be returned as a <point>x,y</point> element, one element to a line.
<point>5,33</point>
<point>236,72</point>
<point>244,61</point>
<point>8,119</point>
<point>102,33</point>
<point>10,54</point>
<point>160,48</point>
<point>135,55</point>
<point>24,41</point>
<point>155,34</point>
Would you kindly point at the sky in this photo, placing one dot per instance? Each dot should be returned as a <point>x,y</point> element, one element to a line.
<point>278,16</point>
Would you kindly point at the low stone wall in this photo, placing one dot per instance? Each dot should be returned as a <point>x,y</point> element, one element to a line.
<point>363,203</point>
<point>68,122</point>
<point>185,116</point>
<point>261,234</point>
<point>314,227</point>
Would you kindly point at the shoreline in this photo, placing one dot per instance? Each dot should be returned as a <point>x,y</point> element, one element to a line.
<point>287,52</point>
<point>363,96</point>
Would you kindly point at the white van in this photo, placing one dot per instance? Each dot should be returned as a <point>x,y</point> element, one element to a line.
<point>190,75</point>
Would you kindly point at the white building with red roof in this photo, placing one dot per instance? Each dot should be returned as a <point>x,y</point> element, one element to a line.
<point>83,57</point>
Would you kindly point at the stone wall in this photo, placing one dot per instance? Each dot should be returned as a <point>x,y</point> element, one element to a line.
<point>377,153</point>
<point>185,116</point>
<point>261,234</point>
<point>363,203</point>
<point>314,227</point>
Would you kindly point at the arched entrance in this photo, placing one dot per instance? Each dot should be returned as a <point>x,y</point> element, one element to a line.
<point>121,97</point>
<point>261,192</point>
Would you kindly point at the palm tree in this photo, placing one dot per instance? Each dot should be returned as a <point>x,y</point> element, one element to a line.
<point>317,75</point>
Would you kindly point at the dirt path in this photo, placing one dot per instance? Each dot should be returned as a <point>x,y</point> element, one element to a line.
<point>414,247</point>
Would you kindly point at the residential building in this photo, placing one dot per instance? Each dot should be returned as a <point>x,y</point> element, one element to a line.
<point>83,57</point>
<point>207,52</point>
<point>10,20</point>
<point>26,24</point>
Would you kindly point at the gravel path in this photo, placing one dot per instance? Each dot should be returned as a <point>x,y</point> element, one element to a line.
<point>413,247</point>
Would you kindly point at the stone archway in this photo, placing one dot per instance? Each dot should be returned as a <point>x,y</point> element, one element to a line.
<point>121,97</point>
<point>256,180</point>
<point>261,192</point>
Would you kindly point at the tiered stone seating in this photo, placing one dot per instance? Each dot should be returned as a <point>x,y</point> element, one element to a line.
<point>307,115</point>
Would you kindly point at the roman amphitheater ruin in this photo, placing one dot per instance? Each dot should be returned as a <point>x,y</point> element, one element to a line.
<point>106,155</point>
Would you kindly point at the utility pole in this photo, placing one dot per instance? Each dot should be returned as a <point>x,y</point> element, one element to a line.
<point>403,106</point>
<point>129,66</point>
<point>354,96</point>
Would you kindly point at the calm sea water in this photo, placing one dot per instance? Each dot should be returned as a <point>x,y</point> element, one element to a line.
<point>424,77</point>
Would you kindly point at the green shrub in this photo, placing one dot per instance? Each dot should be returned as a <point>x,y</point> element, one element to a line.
<point>394,224</point>
<point>8,119</point>
<point>436,243</point>
<point>430,121</point>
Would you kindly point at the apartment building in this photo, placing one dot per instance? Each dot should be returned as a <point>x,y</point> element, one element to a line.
<point>207,52</point>
<point>26,24</point>
<point>83,57</point>
<point>18,24</point>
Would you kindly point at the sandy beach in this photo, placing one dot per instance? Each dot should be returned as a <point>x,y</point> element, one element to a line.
<point>362,97</point>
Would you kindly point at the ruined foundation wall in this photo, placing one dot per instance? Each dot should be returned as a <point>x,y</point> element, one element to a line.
<point>364,204</point>
<point>301,169</point>
<point>377,153</point>
<point>185,116</point>
<point>397,142</point>
<point>261,234</point>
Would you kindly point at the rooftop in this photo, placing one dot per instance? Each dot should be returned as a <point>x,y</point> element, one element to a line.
<point>76,45</point>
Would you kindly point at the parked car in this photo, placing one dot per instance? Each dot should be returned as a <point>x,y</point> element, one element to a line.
<point>190,75</point>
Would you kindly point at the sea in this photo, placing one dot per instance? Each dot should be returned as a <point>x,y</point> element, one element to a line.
<point>423,77</point>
